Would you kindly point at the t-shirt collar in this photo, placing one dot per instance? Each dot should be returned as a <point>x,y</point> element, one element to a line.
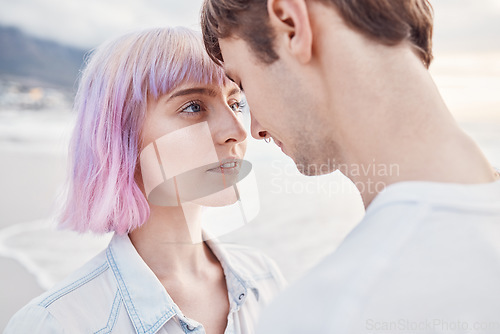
<point>483,196</point>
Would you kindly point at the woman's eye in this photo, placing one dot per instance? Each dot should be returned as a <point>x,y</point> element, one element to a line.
<point>192,107</point>
<point>238,106</point>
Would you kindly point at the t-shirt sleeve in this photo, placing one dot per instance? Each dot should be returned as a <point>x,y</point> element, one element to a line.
<point>33,319</point>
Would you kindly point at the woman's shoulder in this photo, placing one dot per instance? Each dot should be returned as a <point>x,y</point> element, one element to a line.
<point>79,279</point>
<point>48,309</point>
<point>33,318</point>
<point>252,263</point>
<point>248,256</point>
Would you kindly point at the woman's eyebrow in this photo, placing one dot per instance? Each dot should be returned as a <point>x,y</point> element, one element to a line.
<point>191,91</point>
<point>234,91</point>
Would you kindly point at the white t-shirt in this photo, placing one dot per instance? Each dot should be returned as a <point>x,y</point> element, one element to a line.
<point>425,259</point>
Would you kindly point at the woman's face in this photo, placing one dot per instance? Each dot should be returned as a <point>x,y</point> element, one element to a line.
<point>196,137</point>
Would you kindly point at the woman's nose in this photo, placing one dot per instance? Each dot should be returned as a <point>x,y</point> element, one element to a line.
<point>229,128</point>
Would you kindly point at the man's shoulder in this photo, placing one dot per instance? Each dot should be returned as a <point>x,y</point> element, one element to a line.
<point>415,264</point>
<point>341,297</point>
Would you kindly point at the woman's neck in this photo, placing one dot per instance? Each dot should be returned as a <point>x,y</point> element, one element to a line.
<point>170,242</point>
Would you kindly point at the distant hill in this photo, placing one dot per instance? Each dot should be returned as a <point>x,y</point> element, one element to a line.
<point>33,59</point>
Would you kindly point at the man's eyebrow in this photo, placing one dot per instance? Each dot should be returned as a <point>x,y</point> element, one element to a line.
<point>191,91</point>
<point>229,77</point>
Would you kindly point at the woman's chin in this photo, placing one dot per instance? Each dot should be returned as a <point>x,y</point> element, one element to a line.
<point>224,197</point>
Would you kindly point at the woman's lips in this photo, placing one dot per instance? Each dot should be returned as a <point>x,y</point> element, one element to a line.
<point>228,166</point>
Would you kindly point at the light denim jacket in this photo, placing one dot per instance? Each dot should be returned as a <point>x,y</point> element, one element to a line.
<point>116,292</point>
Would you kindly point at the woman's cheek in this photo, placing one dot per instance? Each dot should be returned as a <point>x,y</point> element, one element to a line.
<point>243,146</point>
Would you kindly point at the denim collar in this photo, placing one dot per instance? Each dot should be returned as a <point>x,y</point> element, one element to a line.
<point>146,300</point>
<point>238,280</point>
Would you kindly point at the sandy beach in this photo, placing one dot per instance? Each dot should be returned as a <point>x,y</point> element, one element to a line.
<point>17,287</point>
<point>29,184</point>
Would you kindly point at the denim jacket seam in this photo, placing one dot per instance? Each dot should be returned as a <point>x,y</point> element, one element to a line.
<point>126,298</point>
<point>161,321</point>
<point>113,316</point>
<point>49,313</point>
<point>241,280</point>
<point>263,276</point>
<point>73,286</point>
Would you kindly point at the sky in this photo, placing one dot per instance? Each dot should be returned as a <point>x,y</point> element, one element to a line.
<point>87,23</point>
<point>461,25</point>
<point>466,38</point>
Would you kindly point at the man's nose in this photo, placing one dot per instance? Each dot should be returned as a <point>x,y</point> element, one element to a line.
<point>257,130</point>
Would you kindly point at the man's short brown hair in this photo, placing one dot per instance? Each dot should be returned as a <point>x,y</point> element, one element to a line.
<point>388,21</point>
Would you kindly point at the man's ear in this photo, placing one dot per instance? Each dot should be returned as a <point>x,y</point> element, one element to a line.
<point>289,20</point>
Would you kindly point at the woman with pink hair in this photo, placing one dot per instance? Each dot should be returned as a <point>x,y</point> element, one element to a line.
<point>158,136</point>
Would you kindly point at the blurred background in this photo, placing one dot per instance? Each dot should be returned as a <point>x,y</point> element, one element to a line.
<point>301,219</point>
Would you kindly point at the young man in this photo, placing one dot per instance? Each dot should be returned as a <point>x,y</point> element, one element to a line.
<point>343,84</point>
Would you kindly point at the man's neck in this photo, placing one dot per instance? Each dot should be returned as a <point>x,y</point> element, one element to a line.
<point>401,130</point>
<point>455,159</point>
